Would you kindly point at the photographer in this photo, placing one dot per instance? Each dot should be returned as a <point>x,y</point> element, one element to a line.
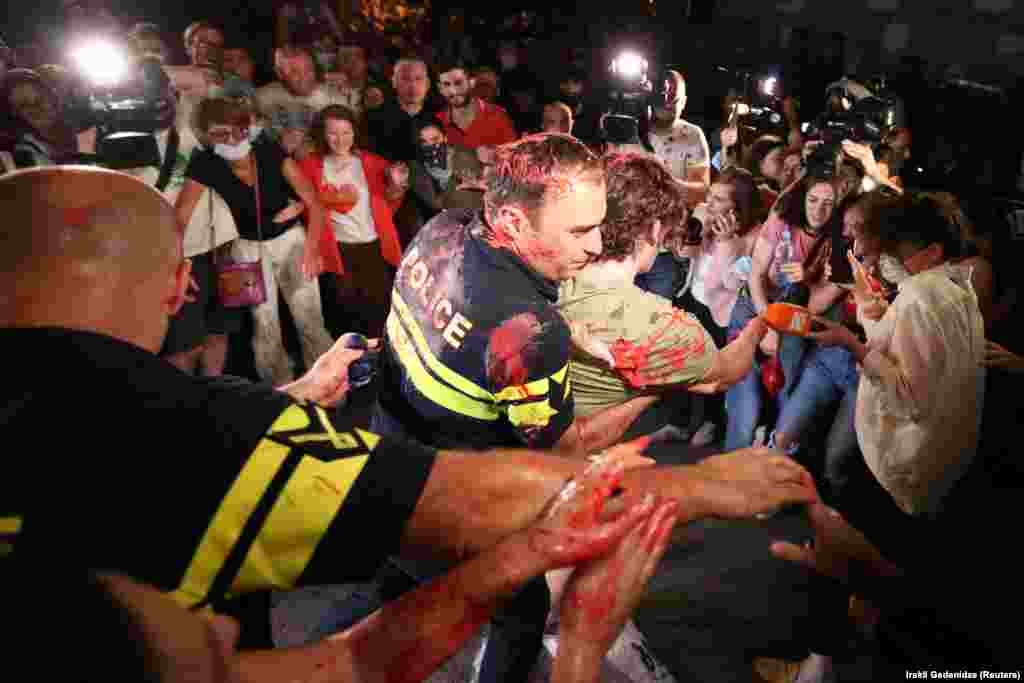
<point>42,136</point>
<point>197,336</point>
<point>679,144</point>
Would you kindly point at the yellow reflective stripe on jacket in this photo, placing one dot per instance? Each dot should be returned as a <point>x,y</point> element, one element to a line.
<point>288,537</point>
<point>521,392</point>
<point>291,533</point>
<point>533,414</point>
<point>10,525</point>
<point>427,384</point>
<point>440,369</point>
<point>229,521</point>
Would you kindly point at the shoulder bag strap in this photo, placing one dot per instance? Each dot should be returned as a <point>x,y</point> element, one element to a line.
<point>259,203</point>
<point>170,158</point>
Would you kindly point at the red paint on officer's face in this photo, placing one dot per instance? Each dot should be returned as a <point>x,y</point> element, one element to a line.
<point>499,238</point>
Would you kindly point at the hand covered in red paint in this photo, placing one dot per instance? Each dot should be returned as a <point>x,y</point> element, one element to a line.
<point>752,481</point>
<point>583,522</point>
<point>602,594</point>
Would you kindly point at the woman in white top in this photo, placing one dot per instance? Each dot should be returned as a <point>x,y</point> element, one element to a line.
<point>360,191</point>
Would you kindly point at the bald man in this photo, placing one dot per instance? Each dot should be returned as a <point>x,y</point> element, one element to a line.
<point>212,487</point>
<point>679,144</point>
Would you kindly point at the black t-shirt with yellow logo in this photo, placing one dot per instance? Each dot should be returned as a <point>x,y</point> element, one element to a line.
<point>476,354</point>
<point>204,488</point>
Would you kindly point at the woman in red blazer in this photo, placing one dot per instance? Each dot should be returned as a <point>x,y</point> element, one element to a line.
<point>360,193</point>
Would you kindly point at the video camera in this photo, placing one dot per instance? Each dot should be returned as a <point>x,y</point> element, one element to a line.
<point>632,93</point>
<point>756,112</point>
<point>126,100</point>
<point>866,120</point>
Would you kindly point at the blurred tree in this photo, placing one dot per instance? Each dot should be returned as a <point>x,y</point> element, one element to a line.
<point>400,22</point>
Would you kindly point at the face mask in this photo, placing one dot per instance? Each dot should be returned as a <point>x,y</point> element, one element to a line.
<point>233,152</point>
<point>255,132</point>
<point>892,269</point>
<point>435,156</point>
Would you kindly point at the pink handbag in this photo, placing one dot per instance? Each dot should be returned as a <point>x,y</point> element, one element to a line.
<point>240,283</point>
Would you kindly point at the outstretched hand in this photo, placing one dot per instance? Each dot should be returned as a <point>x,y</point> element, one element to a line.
<point>753,481</point>
<point>996,356</point>
<point>583,522</point>
<point>837,547</point>
<point>602,594</point>
<point>327,383</point>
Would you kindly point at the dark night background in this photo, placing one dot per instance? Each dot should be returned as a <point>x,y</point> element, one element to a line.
<point>922,48</point>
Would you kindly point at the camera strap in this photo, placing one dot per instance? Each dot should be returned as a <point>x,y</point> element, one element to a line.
<point>170,157</point>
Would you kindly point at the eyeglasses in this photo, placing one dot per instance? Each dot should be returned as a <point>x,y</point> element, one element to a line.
<point>225,135</point>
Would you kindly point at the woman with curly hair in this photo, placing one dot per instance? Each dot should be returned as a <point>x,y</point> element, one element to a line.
<point>360,192</point>
<point>630,342</point>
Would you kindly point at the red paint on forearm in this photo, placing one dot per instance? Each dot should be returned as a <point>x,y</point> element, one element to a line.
<point>597,605</point>
<point>408,639</point>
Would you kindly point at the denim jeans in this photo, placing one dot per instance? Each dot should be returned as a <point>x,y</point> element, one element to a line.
<point>827,375</point>
<point>743,400</point>
<point>664,278</point>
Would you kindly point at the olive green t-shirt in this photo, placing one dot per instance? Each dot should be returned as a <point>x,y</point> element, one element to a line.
<point>652,342</point>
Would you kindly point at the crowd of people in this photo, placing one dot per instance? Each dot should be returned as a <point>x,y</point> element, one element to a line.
<point>549,307</point>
